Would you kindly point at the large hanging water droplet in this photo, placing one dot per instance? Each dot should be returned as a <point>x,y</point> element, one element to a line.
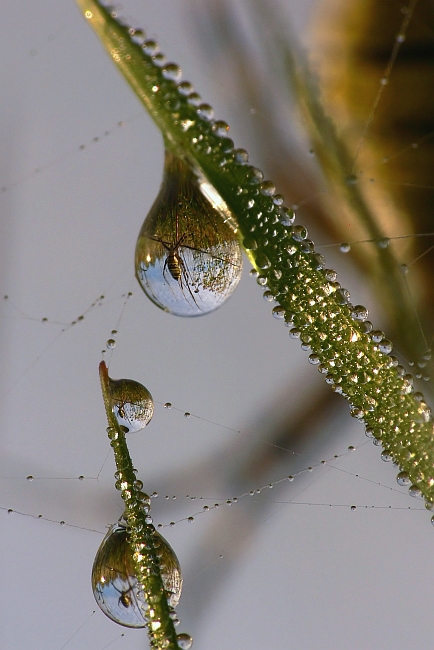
<point>188,259</point>
<point>132,403</point>
<point>114,582</point>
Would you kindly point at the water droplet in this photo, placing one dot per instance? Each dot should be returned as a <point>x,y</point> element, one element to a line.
<point>299,233</point>
<point>377,336</point>
<point>168,405</point>
<point>345,247</point>
<point>386,346</point>
<point>184,641</point>
<point>353,508</point>
<point>383,242</point>
<point>278,312</point>
<point>360,313</point>
<point>150,47</point>
<point>111,343</point>
<point>190,519</point>
<point>220,128</point>
<point>81,477</point>
<point>114,581</point>
<point>286,216</point>
<point>172,71</point>
<point>351,179</point>
<point>187,414</point>
<point>415,491</point>
<point>403,268</point>
<point>267,188</point>
<point>30,478</point>
<point>278,199</point>
<point>386,456</point>
<point>249,243</point>
<point>185,88</point>
<point>403,478</point>
<point>262,261</point>
<point>330,275</point>
<point>241,156</point>
<point>268,296</point>
<point>205,112</point>
<point>342,296</point>
<point>131,402</point>
<point>188,258</point>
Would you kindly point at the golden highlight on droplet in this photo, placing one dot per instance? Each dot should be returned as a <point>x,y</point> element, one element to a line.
<point>188,258</point>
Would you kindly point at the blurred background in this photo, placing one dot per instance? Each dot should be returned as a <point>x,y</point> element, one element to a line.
<point>294,566</point>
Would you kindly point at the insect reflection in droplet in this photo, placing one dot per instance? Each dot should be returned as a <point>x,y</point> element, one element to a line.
<point>132,403</point>
<point>114,582</point>
<point>188,258</point>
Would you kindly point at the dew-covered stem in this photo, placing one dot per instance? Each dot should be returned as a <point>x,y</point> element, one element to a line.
<point>161,630</point>
<point>354,359</point>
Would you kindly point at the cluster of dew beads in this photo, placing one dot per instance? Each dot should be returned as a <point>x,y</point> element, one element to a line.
<point>114,582</point>
<point>132,404</point>
<point>188,259</point>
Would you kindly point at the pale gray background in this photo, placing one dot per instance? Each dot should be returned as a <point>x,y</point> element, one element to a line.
<point>311,576</point>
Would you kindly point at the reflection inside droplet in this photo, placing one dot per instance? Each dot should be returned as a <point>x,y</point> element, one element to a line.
<point>132,403</point>
<point>114,582</point>
<point>188,259</point>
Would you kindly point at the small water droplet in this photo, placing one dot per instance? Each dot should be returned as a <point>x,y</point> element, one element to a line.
<point>353,508</point>
<point>299,233</point>
<point>184,641</point>
<point>10,511</point>
<point>267,188</point>
<point>383,242</point>
<point>403,479</point>
<point>111,343</point>
<point>278,312</point>
<point>172,71</point>
<point>386,455</point>
<point>351,179</point>
<point>205,112</point>
<point>286,216</point>
<point>190,519</point>
<point>220,128</point>
<point>386,346</point>
<point>345,247</point>
<point>415,491</point>
<point>150,47</point>
<point>262,261</point>
<point>168,405</point>
<point>241,156</point>
<point>360,313</point>
<point>81,477</point>
<point>187,414</point>
<point>377,336</point>
<point>249,243</point>
<point>30,478</point>
<point>62,523</point>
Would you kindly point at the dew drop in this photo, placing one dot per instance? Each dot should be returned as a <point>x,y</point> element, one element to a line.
<point>286,216</point>
<point>184,641</point>
<point>415,491</point>
<point>386,456</point>
<point>205,112</point>
<point>220,128</point>
<point>278,312</point>
<point>353,508</point>
<point>30,478</point>
<point>114,581</point>
<point>359,313</point>
<point>188,258</point>
<point>299,233</point>
<point>386,346</point>
<point>267,188</point>
<point>377,336</point>
<point>132,403</point>
<point>241,156</point>
<point>168,405</point>
<point>262,261</point>
<point>345,247</point>
<point>403,478</point>
<point>268,296</point>
<point>111,343</point>
<point>383,242</point>
<point>187,414</point>
<point>172,71</point>
<point>185,88</point>
<point>190,519</point>
<point>150,47</point>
